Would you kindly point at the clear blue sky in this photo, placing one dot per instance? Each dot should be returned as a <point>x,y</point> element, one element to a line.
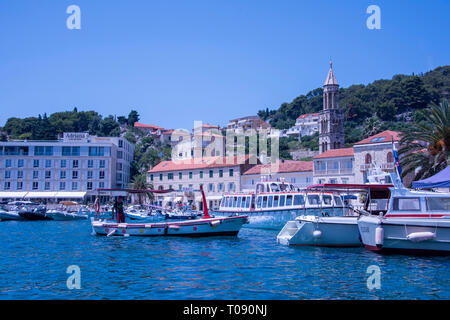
<point>210,60</point>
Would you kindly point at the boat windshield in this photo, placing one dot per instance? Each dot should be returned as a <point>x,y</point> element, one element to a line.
<point>438,204</point>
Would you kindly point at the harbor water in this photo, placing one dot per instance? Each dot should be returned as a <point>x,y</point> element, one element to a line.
<point>35,257</point>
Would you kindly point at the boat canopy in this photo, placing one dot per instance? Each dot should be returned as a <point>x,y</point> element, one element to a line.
<point>439,180</point>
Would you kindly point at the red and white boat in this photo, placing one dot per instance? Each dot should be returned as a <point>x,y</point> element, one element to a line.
<point>204,226</point>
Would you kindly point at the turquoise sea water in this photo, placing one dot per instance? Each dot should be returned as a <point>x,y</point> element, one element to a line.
<point>34,257</point>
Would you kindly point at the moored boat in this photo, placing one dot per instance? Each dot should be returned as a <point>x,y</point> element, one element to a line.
<point>9,215</point>
<point>36,213</point>
<point>206,226</point>
<point>61,215</point>
<point>274,203</point>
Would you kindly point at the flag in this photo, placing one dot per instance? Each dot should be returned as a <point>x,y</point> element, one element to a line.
<point>398,167</point>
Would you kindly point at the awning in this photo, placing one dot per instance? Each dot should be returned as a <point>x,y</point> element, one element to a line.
<point>40,195</point>
<point>8,195</point>
<point>213,197</point>
<point>70,195</point>
<point>439,180</point>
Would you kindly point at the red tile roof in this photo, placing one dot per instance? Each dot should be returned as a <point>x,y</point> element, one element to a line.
<point>307,115</point>
<point>286,166</point>
<point>385,136</point>
<point>204,163</point>
<point>336,153</point>
<point>146,126</point>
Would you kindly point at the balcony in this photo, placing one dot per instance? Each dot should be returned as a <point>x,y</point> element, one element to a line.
<point>331,172</point>
<point>384,166</point>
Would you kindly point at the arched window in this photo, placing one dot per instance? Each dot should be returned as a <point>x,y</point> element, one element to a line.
<point>389,157</point>
<point>368,158</point>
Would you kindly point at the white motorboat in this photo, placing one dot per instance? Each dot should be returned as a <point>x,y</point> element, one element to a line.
<point>138,213</point>
<point>9,215</point>
<point>61,215</point>
<point>321,231</point>
<point>274,203</point>
<point>404,220</point>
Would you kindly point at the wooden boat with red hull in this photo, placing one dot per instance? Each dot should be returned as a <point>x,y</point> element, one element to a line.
<point>203,227</point>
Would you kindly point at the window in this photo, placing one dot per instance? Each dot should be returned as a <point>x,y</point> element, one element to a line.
<point>231,186</point>
<point>231,172</point>
<point>119,154</point>
<point>282,198</point>
<point>8,163</point>
<point>170,176</point>
<point>47,185</point>
<point>71,151</point>
<point>63,163</point>
<point>74,174</point>
<point>89,185</point>
<point>74,185</point>
<point>35,174</point>
<point>62,175</point>
<point>48,174</point>
<point>264,202</point>
<point>7,174</point>
<point>438,204</point>
<point>43,151</point>
<point>299,200</point>
<point>368,158</point>
<point>62,186</point>
<point>406,204</point>
<point>119,177</point>
<point>48,163</point>
<point>7,185</point>
<point>190,175</point>
<point>389,157</point>
<point>201,174</point>
<point>327,199</point>
<point>160,177</point>
<point>258,202</point>
<point>180,175</point>
<point>89,174</point>
<point>337,201</point>
<point>102,163</point>
<point>75,164</point>
<point>239,199</point>
<point>220,187</point>
<point>289,200</point>
<point>35,163</point>
<point>19,174</point>
<point>180,187</point>
<point>270,201</point>
<point>120,143</point>
<point>211,187</point>
<point>314,199</point>
<point>20,163</point>
<point>220,173</point>
<point>101,175</point>
<point>211,173</point>
<point>90,163</point>
<point>35,185</point>
<point>19,185</point>
<point>101,185</point>
<point>151,177</point>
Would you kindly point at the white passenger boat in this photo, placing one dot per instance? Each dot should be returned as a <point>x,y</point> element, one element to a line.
<point>206,226</point>
<point>400,219</point>
<point>274,203</point>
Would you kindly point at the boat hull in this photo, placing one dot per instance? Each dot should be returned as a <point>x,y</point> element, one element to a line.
<point>321,231</point>
<point>276,219</point>
<point>65,216</point>
<point>229,226</point>
<point>400,235</point>
<point>34,216</point>
<point>9,215</point>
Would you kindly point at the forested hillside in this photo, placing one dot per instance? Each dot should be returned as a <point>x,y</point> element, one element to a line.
<point>372,108</point>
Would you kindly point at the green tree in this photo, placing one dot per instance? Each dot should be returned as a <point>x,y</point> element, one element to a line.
<point>426,144</point>
<point>139,182</point>
<point>132,118</point>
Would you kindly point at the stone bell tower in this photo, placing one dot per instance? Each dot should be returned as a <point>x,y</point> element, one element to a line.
<point>331,118</point>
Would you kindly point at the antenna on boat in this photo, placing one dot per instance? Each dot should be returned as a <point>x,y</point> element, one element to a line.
<point>205,207</point>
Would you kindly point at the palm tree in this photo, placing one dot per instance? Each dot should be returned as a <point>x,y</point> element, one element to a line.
<point>426,145</point>
<point>139,182</point>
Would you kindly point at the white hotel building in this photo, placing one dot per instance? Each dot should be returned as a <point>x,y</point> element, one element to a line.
<point>70,168</point>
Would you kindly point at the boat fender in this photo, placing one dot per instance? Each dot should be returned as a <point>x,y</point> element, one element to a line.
<point>379,236</point>
<point>421,236</point>
<point>110,233</point>
<point>215,223</point>
<point>317,234</point>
